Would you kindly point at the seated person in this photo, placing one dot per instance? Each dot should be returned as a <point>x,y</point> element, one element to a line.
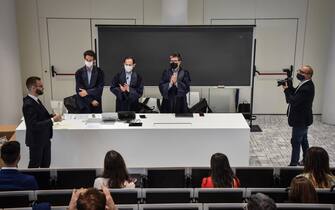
<point>221,173</point>
<point>316,168</point>
<point>302,191</point>
<point>127,86</point>
<point>91,199</point>
<point>115,174</point>
<point>260,201</point>
<point>10,177</point>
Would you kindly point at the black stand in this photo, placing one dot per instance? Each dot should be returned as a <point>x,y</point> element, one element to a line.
<point>253,128</point>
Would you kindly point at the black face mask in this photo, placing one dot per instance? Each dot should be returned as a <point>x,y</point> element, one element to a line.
<point>173,65</point>
<point>300,77</point>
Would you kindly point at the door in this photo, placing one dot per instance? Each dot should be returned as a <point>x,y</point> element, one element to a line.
<point>67,40</point>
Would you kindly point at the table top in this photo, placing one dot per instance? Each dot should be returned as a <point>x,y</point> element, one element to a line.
<point>152,121</point>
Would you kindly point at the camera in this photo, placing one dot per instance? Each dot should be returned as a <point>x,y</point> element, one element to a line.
<point>288,77</point>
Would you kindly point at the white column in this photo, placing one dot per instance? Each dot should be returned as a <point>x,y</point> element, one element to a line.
<point>174,12</point>
<point>10,74</point>
<point>328,110</point>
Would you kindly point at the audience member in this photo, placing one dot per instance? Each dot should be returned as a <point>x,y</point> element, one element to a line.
<point>260,201</point>
<point>91,199</point>
<point>317,168</point>
<point>115,174</point>
<point>10,177</point>
<point>221,173</point>
<point>302,191</point>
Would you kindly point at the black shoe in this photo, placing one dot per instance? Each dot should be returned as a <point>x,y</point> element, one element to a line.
<point>292,164</point>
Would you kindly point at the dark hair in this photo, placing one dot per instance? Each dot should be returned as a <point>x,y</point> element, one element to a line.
<point>221,173</point>
<point>176,55</point>
<point>115,170</point>
<point>302,191</point>
<point>129,57</point>
<point>92,199</point>
<point>10,152</point>
<point>317,164</point>
<point>90,53</point>
<point>31,81</point>
<point>260,201</point>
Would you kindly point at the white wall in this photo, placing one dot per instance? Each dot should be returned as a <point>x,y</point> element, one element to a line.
<point>311,16</point>
<point>10,73</point>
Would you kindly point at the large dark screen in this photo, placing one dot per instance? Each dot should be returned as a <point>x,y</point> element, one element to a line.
<point>214,55</point>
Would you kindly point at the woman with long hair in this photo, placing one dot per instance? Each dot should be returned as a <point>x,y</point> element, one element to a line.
<point>317,168</point>
<point>221,173</point>
<point>115,174</point>
<point>302,191</point>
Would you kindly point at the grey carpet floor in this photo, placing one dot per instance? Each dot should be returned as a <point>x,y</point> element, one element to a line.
<point>272,147</point>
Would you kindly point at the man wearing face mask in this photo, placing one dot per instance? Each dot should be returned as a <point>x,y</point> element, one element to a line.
<point>38,124</point>
<point>174,85</point>
<point>89,85</point>
<point>300,116</point>
<point>127,86</point>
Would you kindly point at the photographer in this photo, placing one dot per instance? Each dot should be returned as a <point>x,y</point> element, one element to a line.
<point>299,112</point>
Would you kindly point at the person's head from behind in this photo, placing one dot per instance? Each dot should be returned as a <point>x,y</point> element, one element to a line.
<point>302,191</point>
<point>10,153</point>
<point>115,169</point>
<point>221,173</point>
<point>89,58</point>
<point>35,86</point>
<point>175,60</point>
<point>316,163</point>
<point>260,201</point>
<point>91,199</point>
<point>129,63</point>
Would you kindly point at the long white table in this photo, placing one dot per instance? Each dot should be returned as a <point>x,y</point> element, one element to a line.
<point>162,141</point>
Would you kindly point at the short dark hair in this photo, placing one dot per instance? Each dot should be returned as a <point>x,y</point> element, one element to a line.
<point>10,152</point>
<point>90,53</point>
<point>129,57</point>
<point>31,81</point>
<point>92,199</point>
<point>176,55</point>
<point>260,201</point>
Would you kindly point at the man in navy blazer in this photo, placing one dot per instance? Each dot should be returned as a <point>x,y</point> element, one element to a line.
<point>127,86</point>
<point>38,125</point>
<point>300,115</point>
<point>10,177</point>
<point>174,85</point>
<point>89,85</point>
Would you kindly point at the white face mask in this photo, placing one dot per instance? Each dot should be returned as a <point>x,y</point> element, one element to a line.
<point>89,64</point>
<point>128,68</point>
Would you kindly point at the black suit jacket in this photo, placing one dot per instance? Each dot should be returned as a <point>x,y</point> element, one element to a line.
<point>174,98</point>
<point>38,122</point>
<point>127,101</point>
<point>300,102</point>
<point>94,89</point>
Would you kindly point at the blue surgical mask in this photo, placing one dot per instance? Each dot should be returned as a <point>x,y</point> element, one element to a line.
<point>300,77</point>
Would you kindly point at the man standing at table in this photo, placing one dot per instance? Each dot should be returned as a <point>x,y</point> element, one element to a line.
<point>127,86</point>
<point>174,85</point>
<point>89,85</point>
<point>38,124</point>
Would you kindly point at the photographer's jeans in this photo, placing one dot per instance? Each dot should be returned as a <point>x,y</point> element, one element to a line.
<point>299,138</point>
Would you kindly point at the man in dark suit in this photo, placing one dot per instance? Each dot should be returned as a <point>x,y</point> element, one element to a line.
<point>174,85</point>
<point>127,86</point>
<point>300,115</point>
<point>89,85</point>
<point>38,125</point>
<point>10,177</point>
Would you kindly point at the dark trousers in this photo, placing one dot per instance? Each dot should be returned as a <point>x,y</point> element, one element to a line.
<point>40,155</point>
<point>299,139</point>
